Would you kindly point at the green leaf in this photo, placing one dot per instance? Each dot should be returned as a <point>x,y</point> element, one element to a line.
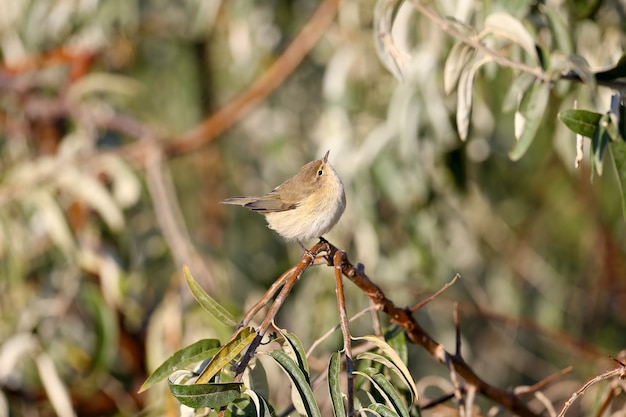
<point>293,347</point>
<point>560,32</point>
<point>396,338</point>
<point>618,154</point>
<point>334,384</point>
<point>197,352</point>
<point>518,89</point>
<point>227,353</point>
<point>208,303</point>
<point>383,410</point>
<point>206,395</point>
<point>403,371</point>
<point>457,60</point>
<point>387,363</point>
<point>298,381</point>
<point>532,112</point>
<point>255,378</point>
<point>106,327</point>
<point>263,409</point>
<point>599,143</point>
<point>388,391</point>
<point>581,122</point>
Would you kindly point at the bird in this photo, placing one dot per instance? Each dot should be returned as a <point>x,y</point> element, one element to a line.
<point>304,207</point>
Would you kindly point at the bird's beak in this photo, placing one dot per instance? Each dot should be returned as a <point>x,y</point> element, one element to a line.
<point>326,156</point>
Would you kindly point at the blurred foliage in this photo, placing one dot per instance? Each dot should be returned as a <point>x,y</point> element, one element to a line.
<point>91,294</point>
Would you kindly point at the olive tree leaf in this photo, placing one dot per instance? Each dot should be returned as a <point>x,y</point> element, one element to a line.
<point>531,112</point>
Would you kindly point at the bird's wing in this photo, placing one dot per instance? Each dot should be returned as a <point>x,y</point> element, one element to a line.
<point>269,203</point>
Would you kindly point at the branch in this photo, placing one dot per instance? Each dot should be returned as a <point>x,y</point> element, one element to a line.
<point>416,334</point>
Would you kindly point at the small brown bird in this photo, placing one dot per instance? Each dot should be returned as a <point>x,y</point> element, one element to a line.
<point>305,206</point>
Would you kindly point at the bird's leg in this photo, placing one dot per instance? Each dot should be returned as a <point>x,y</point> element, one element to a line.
<point>308,252</point>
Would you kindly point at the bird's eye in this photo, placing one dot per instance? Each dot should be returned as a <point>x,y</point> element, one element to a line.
<point>320,173</point>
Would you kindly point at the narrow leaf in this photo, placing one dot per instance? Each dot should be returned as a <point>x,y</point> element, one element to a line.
<point>227,353</point>
<point>385,387</point>
<point>263,409</point>
<point>383,410</point>
<point>206,301</point>
<point>375,357</point>
<point>298,381</point>
<point>206,395</point>
<point>392,57</point>
<point>294,348</point>
<point>457,60</point>
<point>581,122</point>
<point>533,113</point>
<point>395,359</point>
<point>517,90</point>
<point>465,92</point>
<point>396,338</point>
<point>618,154</point>
<point>599,143</point>
<point>505,25</point>
<point>334,384</point>
<point>197,352</point>
<point>560,32</point>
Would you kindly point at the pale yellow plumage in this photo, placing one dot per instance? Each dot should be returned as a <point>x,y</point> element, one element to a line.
<point>304,207</point>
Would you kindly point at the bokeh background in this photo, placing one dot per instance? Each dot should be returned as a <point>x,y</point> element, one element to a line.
<point>96,220</point>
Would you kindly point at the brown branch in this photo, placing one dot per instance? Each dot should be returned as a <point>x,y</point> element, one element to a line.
<point>274,76</point>
<point>416,334</point>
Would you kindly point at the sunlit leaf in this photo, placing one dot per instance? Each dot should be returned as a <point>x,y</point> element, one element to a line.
<point>227,353</point>
<point>505,25</point>
<point>293,347</point>
<point>392,57</point>
<point>532,112</point>
<point>334,384</point>
<point>255,378</point>
<point>395,359</point>
<point>581,122</point>
<point>396,338</point>
<point>54,221</point>
<point>458,58</point>
<point>206,395</point>
<point>206,301</point>
<point>299,382</point>
<point>196,352</point>
<point>465,93</point>
<point>55,389</point>
<point>93,193</point>
<point>263,409</point>
<point>383,410</point>
<point>388,391</point>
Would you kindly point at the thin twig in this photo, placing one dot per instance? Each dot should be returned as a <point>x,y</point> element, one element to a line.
<point>307,259</point>
<point>525,390</point>
<point>274,76</point>
<point>267,296</point>
<point>416,334</point>
<point>343,319</point>
<point>170,219</point>
<point>619,372</point>
<point>435,295</point>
